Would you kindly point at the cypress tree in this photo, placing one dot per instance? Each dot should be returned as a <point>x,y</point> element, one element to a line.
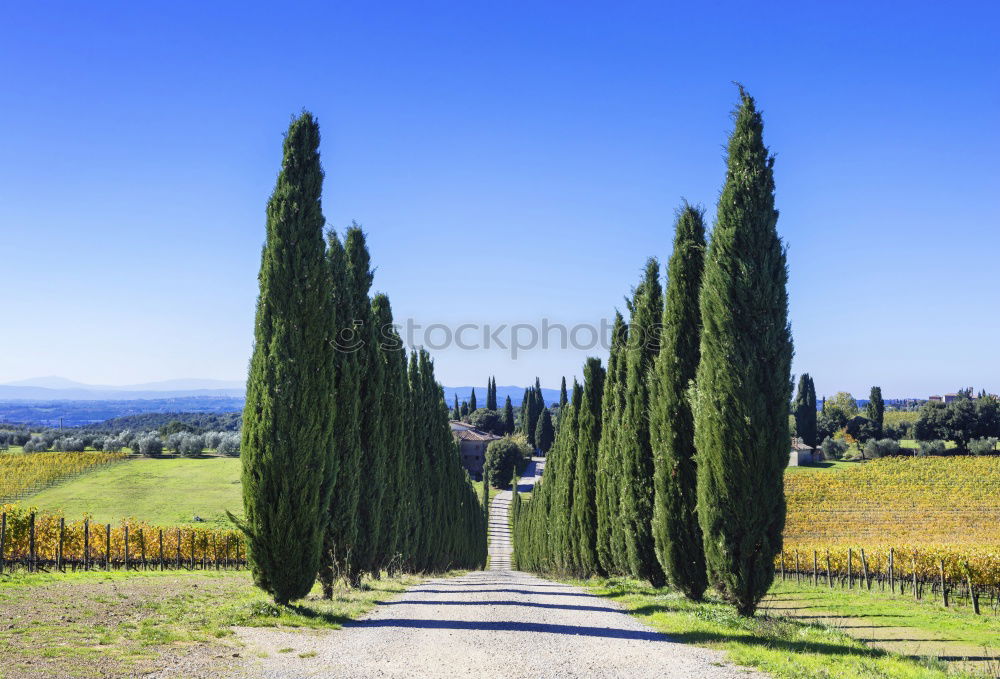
<point>606,492</point>
<point>289,460</point>
<point>491,394</point>
<point>583,522</point>
<point>875,410</point>
<point>465,408</point>
<point>744,380</point>
<point>508,417</point>
<point>343,505</point>
<point>472,401</point>
<point>637,455</point>
<point>563,555</point>
<point>456,412</point>
<point>393,358</point>
<point>544,432</point>
<point>373,420</point>
<point>676,531</point>
<point>805,410</point>
<point>563,396</point>
<point>528,419</point>
<point>523,422</point>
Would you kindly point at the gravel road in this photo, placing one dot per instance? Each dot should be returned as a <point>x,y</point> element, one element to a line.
<point>496,624</point>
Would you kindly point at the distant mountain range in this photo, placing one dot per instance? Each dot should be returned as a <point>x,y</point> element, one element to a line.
<point>54,388</point>
<point>516,394</point>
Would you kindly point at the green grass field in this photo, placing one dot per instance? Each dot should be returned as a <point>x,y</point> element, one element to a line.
<point>161,491</point>
<point>135,624</point>
<point>794,643</point>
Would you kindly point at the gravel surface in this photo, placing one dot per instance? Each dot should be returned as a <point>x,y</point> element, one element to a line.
<point>494,624</point>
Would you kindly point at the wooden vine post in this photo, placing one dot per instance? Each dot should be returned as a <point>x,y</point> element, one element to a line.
<point>107,547</point>
<point>815,568</point>
<point>850,572</point>
<point>829,577</point>
<point>126,546</point>
<point>161,550</point>
<point>62,538</point>
<point>31,543</point>
<point>3,537</point>
<point>86,544</point>
<point>944,587</point>
<point>892,580</point>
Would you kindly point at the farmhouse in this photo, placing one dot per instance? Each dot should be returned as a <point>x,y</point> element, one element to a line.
<point>800,453</point>
<point>472,444</point>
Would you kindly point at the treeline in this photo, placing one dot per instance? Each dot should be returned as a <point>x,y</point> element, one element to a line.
<point>533,419</point>
<point>702,366</point>
<point>168,423</point>
<point>349,467</point>
<point>971,422</point>
<point>148,443</point>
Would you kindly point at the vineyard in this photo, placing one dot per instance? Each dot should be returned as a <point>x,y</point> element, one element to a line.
<point>25,474</point>
<point>916,525</point>
<point>46,541</point>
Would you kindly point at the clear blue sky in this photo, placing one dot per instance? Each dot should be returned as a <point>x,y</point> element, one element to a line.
<point>510,161</point>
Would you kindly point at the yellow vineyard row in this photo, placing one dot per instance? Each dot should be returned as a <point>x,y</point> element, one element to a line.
<point>144,539</point>
<point>21,473</point>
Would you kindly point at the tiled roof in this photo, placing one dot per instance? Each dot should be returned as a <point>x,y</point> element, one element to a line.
<point>474,435</point>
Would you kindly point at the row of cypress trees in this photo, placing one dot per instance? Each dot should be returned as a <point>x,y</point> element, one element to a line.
<point>349,466</point>
<point>668,465</point>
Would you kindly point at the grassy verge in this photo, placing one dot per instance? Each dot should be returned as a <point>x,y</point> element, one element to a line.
<point>128,624</point>
<point>165,491</point>
<point>783,647</point>
<point>883,611</point>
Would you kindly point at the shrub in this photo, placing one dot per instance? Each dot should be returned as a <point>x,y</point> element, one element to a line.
<point>881,448</point>
<point>926,448</point>
<point>68,444</point>
<point>502,457</point>
<point>212,439</point>
<point>191,445</point>
<point>112,444</point>
<point>149,445</point>
<point>983,446</point>
<point>174,442</point>
<point>36,444</point>
<point>833,449</point>
<point>229,445</point>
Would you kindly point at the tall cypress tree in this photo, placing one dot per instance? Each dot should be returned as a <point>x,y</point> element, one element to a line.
<point>456,412</point>
<point>528,421</point>
<point>508,417</point>
<point>744,378</point>
<point>544,432</point>
<point>343,506</point>
<point>472,401</point>
<point>563,396</point>
<point>805,410</point>
<point>607,482</point>
<point>875,410</point>
<point>289,460</point>
<point>676,531</point>
<point>373,420</point>
<point>583,522</point>
<point>392,410</point>
<point>637,455</point>
<point>491,394</point>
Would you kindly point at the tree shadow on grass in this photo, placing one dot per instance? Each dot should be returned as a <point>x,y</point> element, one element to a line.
<point>313,614</point>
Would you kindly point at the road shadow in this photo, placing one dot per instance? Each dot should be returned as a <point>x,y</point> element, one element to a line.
<point>510,626</point>
<point>528,604</point>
